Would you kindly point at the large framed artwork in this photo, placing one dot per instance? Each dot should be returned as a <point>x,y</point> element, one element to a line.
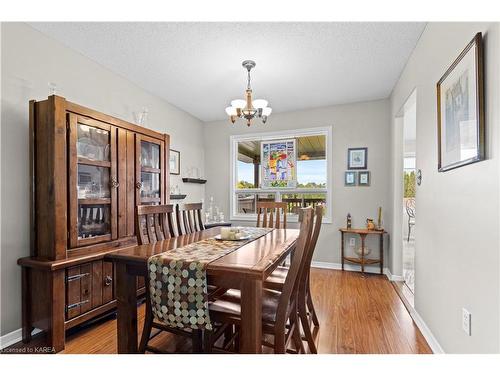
<point>460,109</point>
<point>357,158</point>
<point>279,164</point>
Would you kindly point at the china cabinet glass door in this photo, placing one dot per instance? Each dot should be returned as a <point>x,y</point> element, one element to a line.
<point>92,181</point>
<point>149,177</point>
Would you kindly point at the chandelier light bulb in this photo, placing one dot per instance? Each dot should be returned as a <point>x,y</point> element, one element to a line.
<point>231,111</point>
<point>266,111</point>
<point>238,103</point>
<point>259,103</point>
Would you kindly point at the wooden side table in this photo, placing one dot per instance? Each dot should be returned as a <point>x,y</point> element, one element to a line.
<point>362,261</point>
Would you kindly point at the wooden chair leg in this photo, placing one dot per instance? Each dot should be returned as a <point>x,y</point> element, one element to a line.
<point>279,341</point>
<point>295,324</point>
<point>237,340</point>
<point>196,337</point>
<point>310,307</point>
<point>304,320</point>
<point>228,335</point>
<point>207,341</point>
<point>148,326</point>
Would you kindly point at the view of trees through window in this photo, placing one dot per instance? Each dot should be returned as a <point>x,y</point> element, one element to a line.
<point>310,174</point>
<point>409,177</point>
<point>409,184</point>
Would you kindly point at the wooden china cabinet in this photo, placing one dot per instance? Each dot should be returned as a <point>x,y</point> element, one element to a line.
<point>89,171</point>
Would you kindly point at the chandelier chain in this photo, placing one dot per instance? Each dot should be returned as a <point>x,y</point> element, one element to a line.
<point>248,84</point>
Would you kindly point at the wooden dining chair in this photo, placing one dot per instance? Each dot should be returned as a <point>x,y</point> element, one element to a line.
<point>276,281</point>
<point>271,216</point>
<point>410,211</point>
<point>189,218</point>
<point>154,223</point>
<point>279,308</point>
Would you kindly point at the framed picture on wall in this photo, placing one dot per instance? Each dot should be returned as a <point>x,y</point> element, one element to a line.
<point>357,158</point>
<point>460,109</point>
<point>175,162</point>
<point>350,178</point>
<point>364,178</point>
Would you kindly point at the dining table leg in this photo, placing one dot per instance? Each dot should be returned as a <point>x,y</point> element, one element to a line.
<point>126,299</point>
<point>251,316</point>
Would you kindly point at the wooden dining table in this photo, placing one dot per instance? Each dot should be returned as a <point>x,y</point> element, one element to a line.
<point>245,269</point>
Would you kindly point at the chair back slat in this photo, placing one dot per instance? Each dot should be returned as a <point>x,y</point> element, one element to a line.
<point>150,227</point>
<point>154,223</point>
<point>189,219</point>
<point>275,210</point>
<point>171,227</point>
<point>201,226</point>
<point>158,229</point>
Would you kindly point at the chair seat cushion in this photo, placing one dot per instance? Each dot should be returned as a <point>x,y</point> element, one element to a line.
<point>276,279</point>
<point>227,308</point>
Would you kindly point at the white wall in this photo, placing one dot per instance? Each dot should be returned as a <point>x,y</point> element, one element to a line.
<point>29,61</point>
<point>457,240</point>
<point>353,125</point>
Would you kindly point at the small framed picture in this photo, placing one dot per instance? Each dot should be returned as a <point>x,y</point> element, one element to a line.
<point>364,178</point>
<point>357,158</point>
<point>350,178</point>
<point>175,162</point>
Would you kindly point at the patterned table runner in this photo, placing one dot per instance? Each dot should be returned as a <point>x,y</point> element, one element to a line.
<point>178,280</point>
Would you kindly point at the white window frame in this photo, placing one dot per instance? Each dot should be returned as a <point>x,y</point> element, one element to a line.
<point>282,134</point>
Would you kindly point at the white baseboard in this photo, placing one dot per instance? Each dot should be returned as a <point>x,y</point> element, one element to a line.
<point>392,277</point>
<point>13,337</point>
<point>426,332</point>
<point>352,267</point>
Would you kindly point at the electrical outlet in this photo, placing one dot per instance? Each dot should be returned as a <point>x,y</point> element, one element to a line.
<point>352,242</point>
<point>466,321</point>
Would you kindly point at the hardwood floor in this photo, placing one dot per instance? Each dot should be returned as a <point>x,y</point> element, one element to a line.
<point>357,315</point>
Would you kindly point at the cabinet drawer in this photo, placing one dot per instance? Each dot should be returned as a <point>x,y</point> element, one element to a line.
<point>88,286</point>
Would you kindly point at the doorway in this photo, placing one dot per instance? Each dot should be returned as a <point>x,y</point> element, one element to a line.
<point>409,190</point>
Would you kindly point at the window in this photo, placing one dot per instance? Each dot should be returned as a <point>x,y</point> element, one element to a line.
<point>313,150</point>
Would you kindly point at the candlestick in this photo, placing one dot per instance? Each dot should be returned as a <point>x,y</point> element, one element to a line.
<point>379,223</point>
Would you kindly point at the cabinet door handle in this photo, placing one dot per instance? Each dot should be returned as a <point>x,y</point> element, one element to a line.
<point>114,183</point>
<point>108,280</point>
<point>77,277</point>
<point>74,305</point>
<point>138,185</point>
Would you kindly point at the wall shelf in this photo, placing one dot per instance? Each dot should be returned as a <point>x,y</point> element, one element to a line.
<point>177,196</point>
<point>194,180</point>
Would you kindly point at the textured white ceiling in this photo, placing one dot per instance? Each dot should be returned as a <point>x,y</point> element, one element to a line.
<point>197,66</point>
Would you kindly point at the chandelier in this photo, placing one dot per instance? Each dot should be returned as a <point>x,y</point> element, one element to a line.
<point>248,108</point>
